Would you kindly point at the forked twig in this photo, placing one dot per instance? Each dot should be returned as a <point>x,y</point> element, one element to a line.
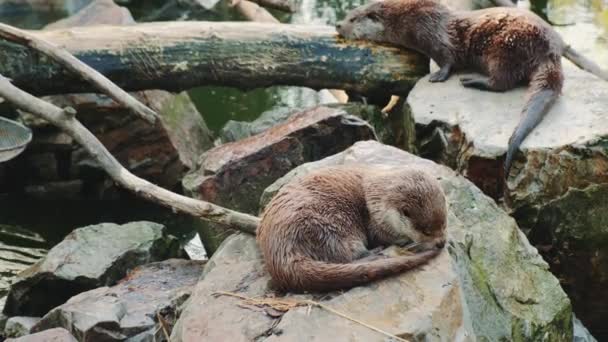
<point>73,64</point>
<point>285,305</point>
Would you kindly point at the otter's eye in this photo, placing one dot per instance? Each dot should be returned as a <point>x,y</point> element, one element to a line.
<point>405,213</point>
<point>372,16</point>
<point>352,20</point>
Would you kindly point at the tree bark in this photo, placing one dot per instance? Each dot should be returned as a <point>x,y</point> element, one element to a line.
<point>176,56</point>
<point>253,12</point>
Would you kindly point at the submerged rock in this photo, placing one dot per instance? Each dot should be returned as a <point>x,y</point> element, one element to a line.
<point>51,335</point>
<point>19,326</point>
<point>237,130</point>
<point>489,284</point>
<point>87,258</point>
<point>235,174</point>
<point>131,308</point>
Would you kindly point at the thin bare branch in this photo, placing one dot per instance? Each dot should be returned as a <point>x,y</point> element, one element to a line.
<point>73,64</point>
<point>66,120</point>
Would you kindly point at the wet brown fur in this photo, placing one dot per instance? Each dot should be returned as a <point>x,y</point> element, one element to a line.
<point>510,46</point>
<point>317,232</point>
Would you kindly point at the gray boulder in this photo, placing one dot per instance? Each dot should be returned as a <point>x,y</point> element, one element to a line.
<point>51,335</point>
<point>130,309</point>
<point>468,130</point>
<point>558,188</point>
<point>19,326</point>
<point>87,258</point>
<point>488,285</point>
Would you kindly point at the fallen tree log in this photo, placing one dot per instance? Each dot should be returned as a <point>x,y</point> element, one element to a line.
<point>253,12</point>
<point>181,55</point>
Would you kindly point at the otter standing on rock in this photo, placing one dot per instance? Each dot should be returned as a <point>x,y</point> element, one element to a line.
<point>508,45</point>
<point>316,232</point>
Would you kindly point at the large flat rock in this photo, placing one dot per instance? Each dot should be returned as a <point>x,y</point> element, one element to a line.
<point>87,258</point>
<point>488,285</point>
<point>468,129</point>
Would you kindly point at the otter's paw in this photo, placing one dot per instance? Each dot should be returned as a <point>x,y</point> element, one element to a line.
<point>403,243</point>
<point>440,76</point>
<point>429,254</point>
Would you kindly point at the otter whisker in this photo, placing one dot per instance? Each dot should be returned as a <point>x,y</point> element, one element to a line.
<point>412,245</point>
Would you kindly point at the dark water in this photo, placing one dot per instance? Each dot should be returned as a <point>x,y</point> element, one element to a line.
<point>52,220</point>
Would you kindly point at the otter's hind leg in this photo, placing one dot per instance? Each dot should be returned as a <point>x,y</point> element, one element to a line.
<point>500,76</point>
<point>486,83</point>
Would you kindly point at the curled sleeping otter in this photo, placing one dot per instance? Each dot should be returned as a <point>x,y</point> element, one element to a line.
<point>317,233</point>
<point>508,45</point>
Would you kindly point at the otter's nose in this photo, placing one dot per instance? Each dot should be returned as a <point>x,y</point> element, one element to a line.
<point>439,244</point>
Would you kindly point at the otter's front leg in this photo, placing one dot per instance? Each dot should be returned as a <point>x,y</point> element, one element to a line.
<point>442,75</point>
<point>403,242</point>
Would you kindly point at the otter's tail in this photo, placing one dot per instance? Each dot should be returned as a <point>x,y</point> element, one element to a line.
<point>545,87</point>
<point>311,275</point>
<point>585,63</point>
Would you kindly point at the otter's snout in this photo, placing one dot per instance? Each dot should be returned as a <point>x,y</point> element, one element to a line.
<point>434,244</point>
<point>340,28</point>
